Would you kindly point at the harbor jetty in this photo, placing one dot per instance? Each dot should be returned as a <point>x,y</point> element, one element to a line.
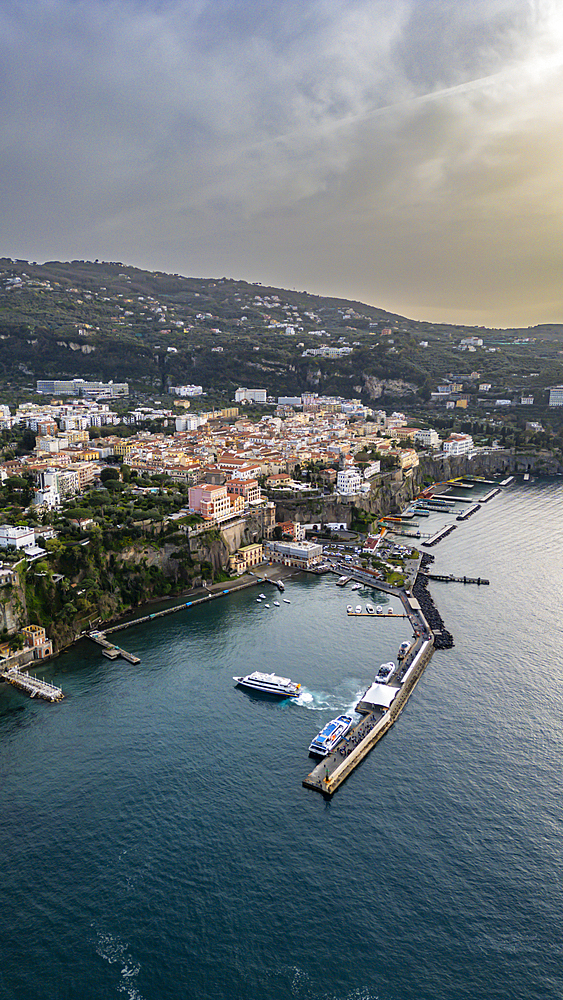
<point>33,686</point>
<point>450,578</point>
<point>377,719</point>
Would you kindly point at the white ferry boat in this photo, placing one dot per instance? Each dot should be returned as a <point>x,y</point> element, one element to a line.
<point>330,736</point>
<point>270,684</point>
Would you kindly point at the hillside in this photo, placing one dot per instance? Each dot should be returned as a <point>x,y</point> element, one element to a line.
<point>113,321</point>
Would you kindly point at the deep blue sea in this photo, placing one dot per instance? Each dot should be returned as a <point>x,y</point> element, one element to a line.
<point>158,844</point>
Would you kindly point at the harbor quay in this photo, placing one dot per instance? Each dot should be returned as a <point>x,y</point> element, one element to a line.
<point>327,776</point>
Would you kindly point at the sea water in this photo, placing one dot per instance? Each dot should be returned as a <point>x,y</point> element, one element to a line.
<point>158,844</point>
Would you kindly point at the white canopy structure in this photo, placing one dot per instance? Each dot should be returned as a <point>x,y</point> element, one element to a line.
<point>380,695</point>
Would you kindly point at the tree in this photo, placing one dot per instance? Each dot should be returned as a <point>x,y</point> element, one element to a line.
<point>107,474</point>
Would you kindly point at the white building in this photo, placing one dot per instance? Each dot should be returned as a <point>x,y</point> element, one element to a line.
<point>186,390</point>
<point>458,444</point>
<point>301,554</point>
<point>250,396</point>
<point>556,395</point>
<point>427,437</point>
<point>78,387</point>
<point>349,481</point>
<point>18,537</point>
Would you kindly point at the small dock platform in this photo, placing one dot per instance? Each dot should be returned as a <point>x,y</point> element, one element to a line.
<point>491,494</point>
<point>368,614</point>
<point>468,512</point>
<point>110,650</point>
<point>33,686</point>
<point>439,536</point>
<point>450,578</point>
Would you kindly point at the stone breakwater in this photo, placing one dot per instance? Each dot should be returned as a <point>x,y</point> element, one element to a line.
<point>442,638</point>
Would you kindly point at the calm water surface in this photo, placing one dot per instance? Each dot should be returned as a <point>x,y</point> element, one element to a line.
<point>158,844</point>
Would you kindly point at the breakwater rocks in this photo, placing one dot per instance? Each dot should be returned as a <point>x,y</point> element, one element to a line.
<point>442,638</point>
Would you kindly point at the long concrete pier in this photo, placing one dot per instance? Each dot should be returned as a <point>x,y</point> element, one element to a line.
<point>333,770</point>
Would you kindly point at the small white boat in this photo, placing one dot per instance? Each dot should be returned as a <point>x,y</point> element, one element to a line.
<point>259,600</point>
<point>276,604</point>
<point>390,611</point>
<point>263,596</point>
<point>356,586</point>
<point>266,605</point>
<point>379,610</point>
<point>370,609</point>
<point>358,609</point>
<point>383,675</point>
<point>349,609</point>
<point>285,601</point>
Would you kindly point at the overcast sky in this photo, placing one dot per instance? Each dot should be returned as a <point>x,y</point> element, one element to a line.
<point>407,153</point>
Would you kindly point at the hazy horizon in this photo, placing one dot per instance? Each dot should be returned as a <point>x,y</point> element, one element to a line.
<point>405,156</point>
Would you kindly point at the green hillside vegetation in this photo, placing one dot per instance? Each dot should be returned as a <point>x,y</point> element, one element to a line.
<point>112,321</point>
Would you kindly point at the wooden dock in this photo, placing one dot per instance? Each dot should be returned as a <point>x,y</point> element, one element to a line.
<point>109,649</point>
<point>368,614</point>
<point>32,686</point>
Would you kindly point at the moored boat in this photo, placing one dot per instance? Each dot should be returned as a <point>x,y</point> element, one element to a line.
<point>330,736</point>
<point>370,609</point>
<point>358,609</point>
<point>269,684</point>
<point>383,675</point>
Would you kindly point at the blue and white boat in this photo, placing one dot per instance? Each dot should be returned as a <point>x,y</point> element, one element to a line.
<point>330,736</point>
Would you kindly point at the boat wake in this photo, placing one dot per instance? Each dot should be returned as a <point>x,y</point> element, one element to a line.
<point>322,701</point>
<point>114,951</point>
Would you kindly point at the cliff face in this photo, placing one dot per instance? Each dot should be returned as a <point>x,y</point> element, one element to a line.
<point>393,491</point>
<point>89,584</point>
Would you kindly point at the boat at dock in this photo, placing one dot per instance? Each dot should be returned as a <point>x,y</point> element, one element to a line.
<point>383,675</point>
<point>269,684</point>
<point>280,585</point>
<point>358,609</point>
<point>349,609</point>
<point>342,581</point>
<point>330,736</point>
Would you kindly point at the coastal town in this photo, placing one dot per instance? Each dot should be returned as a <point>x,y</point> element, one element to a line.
<point>106,509</point>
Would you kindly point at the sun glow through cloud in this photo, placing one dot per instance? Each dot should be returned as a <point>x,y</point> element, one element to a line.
<point>403,154</point>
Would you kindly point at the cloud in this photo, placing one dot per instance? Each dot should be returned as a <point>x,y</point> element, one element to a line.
<point>402,153</point>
